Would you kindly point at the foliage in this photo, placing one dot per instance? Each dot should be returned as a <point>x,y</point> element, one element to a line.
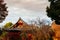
<point>46,32</point>
<point>3,11</point>
<point>8,25</point>
<point>42,33</point>
<point>54,10</point>
<point>0,32</point>
<point>3,35</point>
<point>37,33</point>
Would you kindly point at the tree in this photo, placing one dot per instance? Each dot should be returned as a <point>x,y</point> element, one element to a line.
<point>40,22</point>
<point>47,32</point>
<point>3,11</point>
<point>8,25</point>
<point>54,10</point>
<point>4,33</point>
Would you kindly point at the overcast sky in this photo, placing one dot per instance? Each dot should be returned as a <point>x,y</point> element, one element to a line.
<point>26,9</point>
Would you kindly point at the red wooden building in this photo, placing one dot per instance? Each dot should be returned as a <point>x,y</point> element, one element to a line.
<point>20,31</point>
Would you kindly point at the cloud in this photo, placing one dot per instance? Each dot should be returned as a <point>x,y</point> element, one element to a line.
<point>35,5</point>
<point>27,9</point>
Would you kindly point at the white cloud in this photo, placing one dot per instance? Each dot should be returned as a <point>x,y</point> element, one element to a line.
<point>27,9</point>
<point>35,5</point>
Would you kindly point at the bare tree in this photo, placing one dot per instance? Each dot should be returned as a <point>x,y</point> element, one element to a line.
<point>40,22</point>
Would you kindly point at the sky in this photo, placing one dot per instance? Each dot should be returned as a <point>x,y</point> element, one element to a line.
<point>26,9</point>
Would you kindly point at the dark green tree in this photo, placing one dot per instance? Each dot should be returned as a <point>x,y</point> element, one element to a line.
<point>54,10</point>
<point>3,11</point>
